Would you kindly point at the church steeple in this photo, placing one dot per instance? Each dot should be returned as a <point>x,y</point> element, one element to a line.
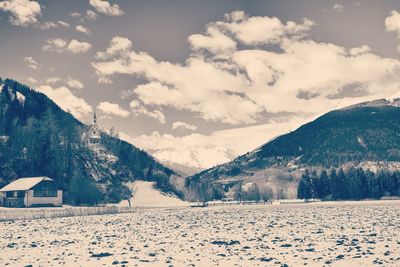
<point>94,118</point>
<point>93,134</point>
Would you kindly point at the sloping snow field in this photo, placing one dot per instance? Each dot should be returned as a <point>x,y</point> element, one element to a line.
<point>147,196</point>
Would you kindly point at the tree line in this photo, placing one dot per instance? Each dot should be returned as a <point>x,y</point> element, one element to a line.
<point>348,184</point>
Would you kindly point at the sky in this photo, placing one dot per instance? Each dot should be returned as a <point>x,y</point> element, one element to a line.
<point>200,82</point>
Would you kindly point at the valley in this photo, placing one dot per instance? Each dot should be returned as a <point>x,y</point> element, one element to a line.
<point>199,133</point>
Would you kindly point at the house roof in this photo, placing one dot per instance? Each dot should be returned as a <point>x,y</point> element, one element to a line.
<point>24,183</point>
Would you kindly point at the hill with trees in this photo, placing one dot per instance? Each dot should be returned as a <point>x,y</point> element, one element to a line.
<point>366,135</point>
<point>38,138</point>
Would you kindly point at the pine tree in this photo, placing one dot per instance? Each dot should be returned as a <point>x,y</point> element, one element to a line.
<point>322,186</point>
<point>304,190</point>
<point>341,190</point>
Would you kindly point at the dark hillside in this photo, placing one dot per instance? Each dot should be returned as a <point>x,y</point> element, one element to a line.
<point>38,138</point>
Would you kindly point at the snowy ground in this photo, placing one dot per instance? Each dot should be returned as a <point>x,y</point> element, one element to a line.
<point>343,234</point>
<point>147,196</point>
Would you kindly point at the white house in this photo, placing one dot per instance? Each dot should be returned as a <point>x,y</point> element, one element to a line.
<point>31,192</point>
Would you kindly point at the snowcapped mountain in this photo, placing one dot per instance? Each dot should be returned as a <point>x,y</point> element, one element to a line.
<point>195,158</point>
<point>183,170</point>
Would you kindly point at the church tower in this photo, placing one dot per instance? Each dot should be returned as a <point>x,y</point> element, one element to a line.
<point>94,135</point>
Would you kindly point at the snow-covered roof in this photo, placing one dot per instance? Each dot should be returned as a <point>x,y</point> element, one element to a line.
<point>24,183</point>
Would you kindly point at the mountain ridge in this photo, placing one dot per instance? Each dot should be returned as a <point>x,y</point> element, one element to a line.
<point>366,134</point>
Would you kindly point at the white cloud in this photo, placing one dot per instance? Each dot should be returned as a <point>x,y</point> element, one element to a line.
<point>248,83</point>
<point>82,29</point>
<point>53,80</point>
<point>78,47</point>
<point>63,97</point>
<point>50,24</point>
<point>31,63</point>
<point>23,12</point>
<point>156,114</point>
<point>74,83</point>
<point>75,14</point>
<point>70,82</point>
<point>392,22</point>
<point>261,30</point>
<point>104,7</point>
<point>127,93</point>
<point>32,80</point>
<point>199,87</point>
<point>236,16</point>
<point>55,45</point>
<point>63,23</point>
<point>118,45</point>
<point>90,14</point>
<point>138,109</point>
<point>184,126</point>
<point>213,41</point>
<point>108,108</point>
<point>60,45</point>
<point>360,50</point>
<point>338,7</point>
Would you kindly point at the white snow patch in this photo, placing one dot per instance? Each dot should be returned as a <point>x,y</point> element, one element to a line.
<point>20,98</point>
<point>4,138</point>
<point>360,140</point>
<point>146,195</point>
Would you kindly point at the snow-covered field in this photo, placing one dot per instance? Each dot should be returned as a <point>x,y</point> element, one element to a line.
<point>344,234</point>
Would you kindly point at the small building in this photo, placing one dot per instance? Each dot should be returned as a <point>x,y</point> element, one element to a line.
<point>94,135</point>
<point>31,192</point>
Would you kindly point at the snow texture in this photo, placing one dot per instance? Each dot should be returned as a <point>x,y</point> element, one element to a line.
<point>20,98</point>
<point>323,234</point>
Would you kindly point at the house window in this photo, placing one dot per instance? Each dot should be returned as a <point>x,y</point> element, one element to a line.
<point>45,193</point>
<point>20,194</point>
<point>10,194</point>
<point>45,189</point>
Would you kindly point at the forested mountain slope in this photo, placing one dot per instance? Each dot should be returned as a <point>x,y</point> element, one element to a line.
<point>365,135</point>
<point>38,138</point>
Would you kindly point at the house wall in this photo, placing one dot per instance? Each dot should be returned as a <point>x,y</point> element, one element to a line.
<point>13,201</point>
<point>31,200</point>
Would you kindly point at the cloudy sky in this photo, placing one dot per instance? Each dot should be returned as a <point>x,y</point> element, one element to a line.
<point>200,82</point>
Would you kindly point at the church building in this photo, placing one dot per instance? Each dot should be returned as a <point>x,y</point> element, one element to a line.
<point>94,135</point>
